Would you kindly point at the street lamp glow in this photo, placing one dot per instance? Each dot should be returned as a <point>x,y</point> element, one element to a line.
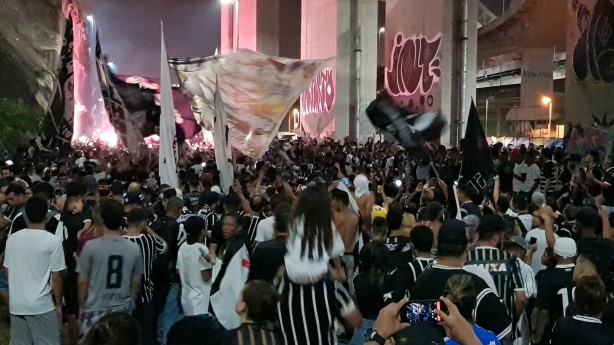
<point>548,101</point>
<point>382,30</point>
<point>227,2</point>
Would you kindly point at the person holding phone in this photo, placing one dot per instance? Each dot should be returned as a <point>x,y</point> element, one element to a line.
<point>460,289</point>
<point>388,325</point>
<point>452,242</point>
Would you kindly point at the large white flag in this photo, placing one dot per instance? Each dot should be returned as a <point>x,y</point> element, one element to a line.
<point>167,164</point>
<point>257,90</point>
<point>224,300</point>
<point>223,149</point>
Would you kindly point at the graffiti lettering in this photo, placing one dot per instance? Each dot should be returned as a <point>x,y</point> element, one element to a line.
<point>414,65</point>
<point>320,95</point>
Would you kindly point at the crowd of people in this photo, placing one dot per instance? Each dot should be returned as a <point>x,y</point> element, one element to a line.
<point>315,243</point>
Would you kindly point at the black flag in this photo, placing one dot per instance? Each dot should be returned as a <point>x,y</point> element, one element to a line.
<point>477,165</point>
<point>59,126</point>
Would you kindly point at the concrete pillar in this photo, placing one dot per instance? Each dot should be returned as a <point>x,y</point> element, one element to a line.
<point>268,27</point>
<point>345,71</point>
<point>319,41</point>
<point>431,59</point>
<point>369,33</point>
<point>250,24</point>
<point>348,30</point>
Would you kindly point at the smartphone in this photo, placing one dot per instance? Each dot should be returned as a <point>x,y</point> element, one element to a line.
<point>421,311</point>
<point>533,240</point>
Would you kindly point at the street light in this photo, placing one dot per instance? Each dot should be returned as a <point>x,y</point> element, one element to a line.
<point>548,101</point>
<point>382,30</point>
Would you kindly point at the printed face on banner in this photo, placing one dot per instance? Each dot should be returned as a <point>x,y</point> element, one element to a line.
<point>320,95</point>
<point>593,52</point>
<point>414,70</point>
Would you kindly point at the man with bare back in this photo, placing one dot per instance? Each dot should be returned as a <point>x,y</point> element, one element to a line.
<point>346,222</point>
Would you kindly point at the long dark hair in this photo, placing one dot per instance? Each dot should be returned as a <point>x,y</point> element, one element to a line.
<point>373,258</point>
<point>314,210</point>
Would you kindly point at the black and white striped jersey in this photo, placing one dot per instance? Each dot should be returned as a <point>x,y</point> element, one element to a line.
<point>504,270</point>
<point>151,247</point>
<point>307,312</point>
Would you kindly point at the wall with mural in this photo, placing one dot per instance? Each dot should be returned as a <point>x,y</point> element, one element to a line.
<point>590,60</point>
<point>423,68</point>
<point>414,70</point>
<point>319,41</point>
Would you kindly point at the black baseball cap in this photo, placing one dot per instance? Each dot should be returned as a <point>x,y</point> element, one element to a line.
<point>194,225</point>
<point>210,198</point>
<point>492,223</point>
<point>453,232</point>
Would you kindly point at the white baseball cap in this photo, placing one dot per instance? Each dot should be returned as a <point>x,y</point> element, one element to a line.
<point>565,247</point>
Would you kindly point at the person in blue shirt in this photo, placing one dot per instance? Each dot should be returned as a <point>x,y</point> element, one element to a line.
<point>461,291</point>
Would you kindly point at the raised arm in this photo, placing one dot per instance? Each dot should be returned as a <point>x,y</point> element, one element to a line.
<point>605,221</point>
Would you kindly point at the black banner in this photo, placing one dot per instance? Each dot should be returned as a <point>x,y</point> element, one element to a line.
<point>478,167</point>
<point>59,123</point>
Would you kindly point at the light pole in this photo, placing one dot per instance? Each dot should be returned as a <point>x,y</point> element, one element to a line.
<point>548,101</point>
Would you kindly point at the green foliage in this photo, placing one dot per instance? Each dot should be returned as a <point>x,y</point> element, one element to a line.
<point>18,123</point>
<point>5,57</point>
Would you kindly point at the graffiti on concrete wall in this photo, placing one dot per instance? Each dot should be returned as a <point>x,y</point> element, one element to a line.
<point>415,66</point>
<point>320,95</point>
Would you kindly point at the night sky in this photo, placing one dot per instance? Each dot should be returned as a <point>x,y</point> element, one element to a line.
<point>130,31</point>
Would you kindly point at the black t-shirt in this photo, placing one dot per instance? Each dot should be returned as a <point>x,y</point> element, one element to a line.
<point>217,235</point>
<point>51,224</point>
<point>491,314</point>
<point>506,176</point>
<point>601,253</point>
<point>265,260</point>
<point>370,293</point>
<point>581,330</point>
<point>554,292</point>
<point>73,223</point>
<point>164,266</point>
<point>192,201</point>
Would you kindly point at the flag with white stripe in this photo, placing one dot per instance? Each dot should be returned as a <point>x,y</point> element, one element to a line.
<point>223,301</point>
<point>167,163</point>
<point>223,150</point>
